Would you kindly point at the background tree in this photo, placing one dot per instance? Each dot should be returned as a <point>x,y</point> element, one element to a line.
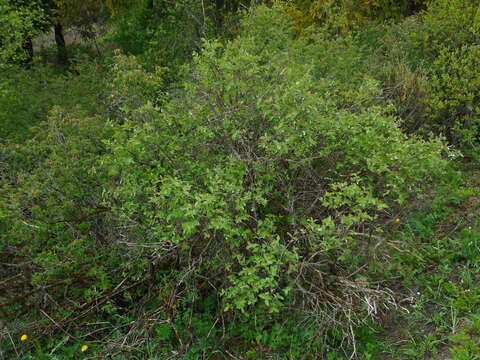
<point>349,14</point>
<point>81,15</point>
<point>21,20</point>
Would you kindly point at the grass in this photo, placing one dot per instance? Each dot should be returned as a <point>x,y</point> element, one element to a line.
<point>435,267</point>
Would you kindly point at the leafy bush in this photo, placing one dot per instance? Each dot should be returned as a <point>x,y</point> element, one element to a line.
<point>455,101</point>
<point>259,183</point>
<point>244,211</point>
<point>20,23</point>
<point>453,33</point>
<point>344,16</point>
<point>426,67</point>
<point>452,23</point>
<point>50,210</point>
<point>54,223</point>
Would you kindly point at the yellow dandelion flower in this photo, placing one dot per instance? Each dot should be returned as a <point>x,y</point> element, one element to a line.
<point>84,348</point>
<point>24,337</point>
<point>397,220</point>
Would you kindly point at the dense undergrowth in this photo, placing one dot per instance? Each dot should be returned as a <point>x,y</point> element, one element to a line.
<point>284,186</point>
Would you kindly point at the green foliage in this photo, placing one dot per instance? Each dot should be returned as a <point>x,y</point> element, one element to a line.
<point>466,344</point>
<point>81,14</point>
<point>454,103</point>
<point>453,23</point>
<point>347,15</point>
<point>425,66</point>
<point>131,87</point>
<point>437,255</point>
<point>52,200</point>
<point>165,35</point>
<point>52,215</point>
<point>27,96</point>
<point>19,22</point>
<point>255,168</point>
<point>280,201</point>
<point>453,33</point>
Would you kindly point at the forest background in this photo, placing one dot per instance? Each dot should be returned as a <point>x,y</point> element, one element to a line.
<point>234,179</point>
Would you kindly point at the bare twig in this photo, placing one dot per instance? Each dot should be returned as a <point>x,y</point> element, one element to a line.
<point>57,325</point>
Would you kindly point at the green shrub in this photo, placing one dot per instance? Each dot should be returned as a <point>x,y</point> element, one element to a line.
<point>21,22</point>
<point>242,211</point>
<point>256,170</point>
<point>349,15</point>
<point>426,67</point>
<point>54,222</point>
<point>453,33</point>
<point>452,23</point>
<point>50,208</point>
<point>454,107</point>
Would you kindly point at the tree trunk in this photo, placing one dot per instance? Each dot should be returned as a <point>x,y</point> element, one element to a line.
<point>62,55</point>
